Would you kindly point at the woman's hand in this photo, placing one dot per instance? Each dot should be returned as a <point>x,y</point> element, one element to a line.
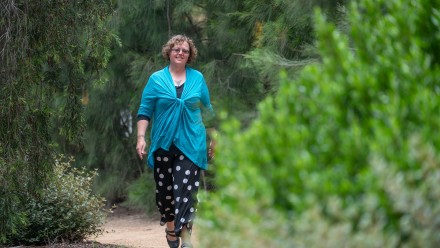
<point>211,149</point>
<point>213,135</point>
<point>140,147</point>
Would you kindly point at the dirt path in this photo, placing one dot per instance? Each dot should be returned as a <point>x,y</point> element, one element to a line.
<point>130,228</point>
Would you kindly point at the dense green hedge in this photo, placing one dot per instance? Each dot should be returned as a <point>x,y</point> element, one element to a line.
<point>347,155</point>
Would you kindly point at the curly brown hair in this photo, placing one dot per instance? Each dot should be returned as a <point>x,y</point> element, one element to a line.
<point>176,40</point>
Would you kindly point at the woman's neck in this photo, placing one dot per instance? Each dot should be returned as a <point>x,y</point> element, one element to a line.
<point>177,70</point>
<point>178,74</point>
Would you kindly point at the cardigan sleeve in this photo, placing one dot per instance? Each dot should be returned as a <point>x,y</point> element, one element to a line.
<point>148,99</point>
<point>206,102</point>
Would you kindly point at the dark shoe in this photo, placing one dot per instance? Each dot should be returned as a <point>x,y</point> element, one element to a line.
<point>172,243</point>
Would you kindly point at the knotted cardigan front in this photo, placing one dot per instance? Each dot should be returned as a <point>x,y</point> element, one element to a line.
<point>176,120</point>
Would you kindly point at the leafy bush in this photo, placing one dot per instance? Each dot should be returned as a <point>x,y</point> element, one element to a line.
<point>346,155</point>
<point>413,195</point>
<point>67,211</point>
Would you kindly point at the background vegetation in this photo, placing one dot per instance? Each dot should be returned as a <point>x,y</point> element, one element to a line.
<point>340,146</point>
<point>345,155</point>
<point>50,51</point>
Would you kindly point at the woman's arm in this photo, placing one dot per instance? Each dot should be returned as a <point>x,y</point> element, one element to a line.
<point>142,126</point>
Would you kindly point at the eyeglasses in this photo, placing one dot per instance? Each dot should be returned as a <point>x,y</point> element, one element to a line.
<point>177,50</point>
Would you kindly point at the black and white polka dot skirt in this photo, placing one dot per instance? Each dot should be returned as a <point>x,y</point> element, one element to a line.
<point>177,184</point>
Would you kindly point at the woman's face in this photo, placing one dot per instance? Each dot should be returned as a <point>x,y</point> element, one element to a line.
<point>179,53</point>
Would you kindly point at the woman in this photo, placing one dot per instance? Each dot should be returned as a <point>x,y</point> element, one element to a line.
<point>173,100</point>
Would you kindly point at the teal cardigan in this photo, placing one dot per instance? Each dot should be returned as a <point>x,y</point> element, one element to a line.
<point>175,120</point>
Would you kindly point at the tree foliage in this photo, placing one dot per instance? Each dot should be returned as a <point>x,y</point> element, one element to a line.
<point>248,42</point>
<point>347,152</point>
<point>48,50</point>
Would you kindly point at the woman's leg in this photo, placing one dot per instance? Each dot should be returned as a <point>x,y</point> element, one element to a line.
<point>163,176</point>
<point>185,234</point>
<point>186,185</point>
<point>171,227</point>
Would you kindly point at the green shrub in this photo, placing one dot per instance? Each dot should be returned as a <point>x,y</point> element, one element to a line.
<point>414,195</point>
<point>344,156</point>
<point>66,211</point>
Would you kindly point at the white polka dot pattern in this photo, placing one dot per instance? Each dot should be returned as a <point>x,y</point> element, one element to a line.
<point>177,182</point>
